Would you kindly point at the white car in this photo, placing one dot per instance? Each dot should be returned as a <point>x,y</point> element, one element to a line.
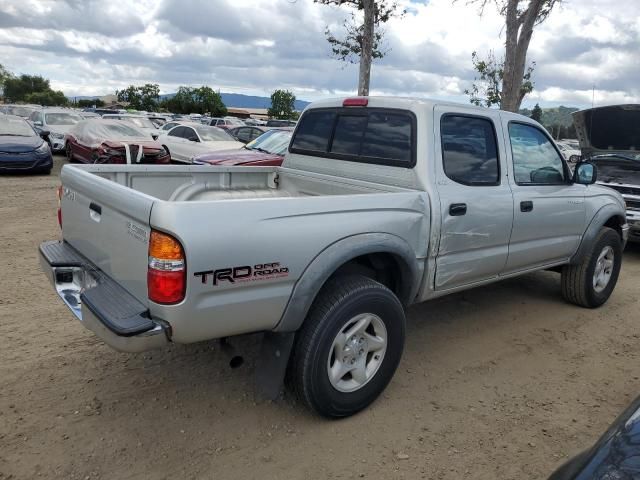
<point>186,141</point>
<point>569,152</point>
<point>142,122</point>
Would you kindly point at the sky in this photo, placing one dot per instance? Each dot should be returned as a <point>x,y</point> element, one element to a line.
<point>587,51</point>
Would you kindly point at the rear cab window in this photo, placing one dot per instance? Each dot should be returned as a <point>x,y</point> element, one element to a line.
<point>368,135</point>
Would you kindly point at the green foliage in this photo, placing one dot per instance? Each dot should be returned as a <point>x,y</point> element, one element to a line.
<point>536,113</point>
<point>47,98</point>
<point>486,89</point>
<point>195,100</point>
<point>16,89</point>
<point>88,103</point>
<point>349,47</point>
<point>144,97</point>
<point>282,105</point>
<point>4,74</point>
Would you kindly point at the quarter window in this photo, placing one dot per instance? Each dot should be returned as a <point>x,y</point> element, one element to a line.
<point>535,159</point>
<point>469,150</point>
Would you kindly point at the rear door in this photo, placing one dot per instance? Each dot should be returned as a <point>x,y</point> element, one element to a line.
<point>549,210</point>
<point>177,143</point>
<point>476,203</point>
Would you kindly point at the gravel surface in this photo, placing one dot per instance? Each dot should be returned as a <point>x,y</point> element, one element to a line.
<point>501,382</point>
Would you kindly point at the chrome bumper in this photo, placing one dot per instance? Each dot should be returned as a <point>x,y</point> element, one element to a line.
<point>101,305</point>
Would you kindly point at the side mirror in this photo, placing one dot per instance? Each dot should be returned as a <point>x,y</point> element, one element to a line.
<point>44,134</point>
<point>194,139</point>
<point>585,174</point>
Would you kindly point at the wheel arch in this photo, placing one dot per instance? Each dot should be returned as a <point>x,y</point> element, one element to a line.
<point>608,216</point>
<point>384,257</point>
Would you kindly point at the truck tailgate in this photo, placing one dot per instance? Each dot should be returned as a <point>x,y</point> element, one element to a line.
<point>108,223</point>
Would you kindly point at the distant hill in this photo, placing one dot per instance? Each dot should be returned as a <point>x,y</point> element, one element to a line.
<point>554,116</point>
<point>236,100</point>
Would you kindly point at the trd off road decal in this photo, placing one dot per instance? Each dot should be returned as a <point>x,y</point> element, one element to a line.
<point>246,273</point>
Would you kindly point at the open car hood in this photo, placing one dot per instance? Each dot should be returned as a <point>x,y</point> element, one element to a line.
<point>611,129</point>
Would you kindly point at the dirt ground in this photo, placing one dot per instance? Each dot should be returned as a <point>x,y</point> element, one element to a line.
<point>502,382</point>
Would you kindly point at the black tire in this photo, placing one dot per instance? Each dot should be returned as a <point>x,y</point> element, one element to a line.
<point>340,300</point>
<point>69,152</point>
<point>577,280</point>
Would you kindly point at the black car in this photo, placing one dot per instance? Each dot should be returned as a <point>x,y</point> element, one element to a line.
<point>21,149</point>
<point>615,456</point>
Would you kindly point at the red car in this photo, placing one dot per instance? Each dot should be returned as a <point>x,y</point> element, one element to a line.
<point>266,150</point>
<point>112,141</point>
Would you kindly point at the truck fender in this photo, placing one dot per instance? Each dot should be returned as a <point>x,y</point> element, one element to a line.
<point>327,262</point>
<point>599,220</point>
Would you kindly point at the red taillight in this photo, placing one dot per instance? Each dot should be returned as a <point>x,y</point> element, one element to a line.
<point>166,275</point>
<point>60,206</point>
<point>356,102</point>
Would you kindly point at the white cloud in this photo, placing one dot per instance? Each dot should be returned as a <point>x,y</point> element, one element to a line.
<point>254,46</point>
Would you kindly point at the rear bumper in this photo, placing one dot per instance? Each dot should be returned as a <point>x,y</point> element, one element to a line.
<point>101,305</point>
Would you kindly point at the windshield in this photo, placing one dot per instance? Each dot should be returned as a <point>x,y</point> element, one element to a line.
<point>141,122</point>
<point>213,134</point>
<point>62,118</point>
<point>119,130</point>
<point>15,127</point>
<point>19,111</point>
<point>618,169</point>
<point>273,141</point>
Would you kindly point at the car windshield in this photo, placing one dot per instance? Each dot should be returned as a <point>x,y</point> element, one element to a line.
<point>213,134</point>
<point>62,118</point>
<point>141,122</point>
<point>18,110</point>
<point>273,141</point>
<point>119,130</point>
<point>15,127</point>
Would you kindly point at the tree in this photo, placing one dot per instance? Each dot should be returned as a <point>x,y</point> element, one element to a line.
<point>144,97</point>
<point>89,102</point>
<point>362,37</point>
<point>4,74</point>
<point>195,100</point>
<point>16,89</point>
<point>282,105</point>
<point>47,98</point>
<point>521,16</point>
<point>536,113</point>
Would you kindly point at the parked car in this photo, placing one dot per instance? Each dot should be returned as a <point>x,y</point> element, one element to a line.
<point>174,123</point>
<point>225,123</point>
<point>112,141</point>
<point>187,141</point>
<point>87,115</point>
<point>266,150</point>
<point>610,138</point>
<point>141,122</point>
<point>255,121</point>
<point>159,120</point>
<point>21,148</point>
<point>569,151</point>
<point>246,134</point>
<point>56,121</point>
<point>23,111</point>
<point>615,456</point>
<point>281,123</point>
<point>368,214</point>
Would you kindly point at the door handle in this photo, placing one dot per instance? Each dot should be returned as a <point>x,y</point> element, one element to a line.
<point>95,211</point>
<point>457,209</point>
<point>526,206</point>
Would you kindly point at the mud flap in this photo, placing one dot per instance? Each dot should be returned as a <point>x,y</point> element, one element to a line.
<point>275,351</point>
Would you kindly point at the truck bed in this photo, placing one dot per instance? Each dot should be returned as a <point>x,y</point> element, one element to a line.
<point>225,218</point>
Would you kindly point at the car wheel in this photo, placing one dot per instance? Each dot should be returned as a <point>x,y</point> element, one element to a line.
<point>69,152</point>
<point>591,282</point>
<point>348,347</point>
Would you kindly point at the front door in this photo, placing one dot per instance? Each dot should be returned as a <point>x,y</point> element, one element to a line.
<point>476,204</point>
<point>549,210</point>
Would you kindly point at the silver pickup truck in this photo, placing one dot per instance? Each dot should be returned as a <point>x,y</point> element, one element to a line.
<point>380,203</point>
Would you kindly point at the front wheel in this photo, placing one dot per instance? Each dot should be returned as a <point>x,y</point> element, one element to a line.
<point>349,346</point>
<point>591,282</point>
<point>69,152</point>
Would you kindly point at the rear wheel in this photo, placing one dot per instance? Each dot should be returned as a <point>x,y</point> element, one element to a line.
<point>349,346</point>
<point>591,282</point>
<point>68,152</point>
